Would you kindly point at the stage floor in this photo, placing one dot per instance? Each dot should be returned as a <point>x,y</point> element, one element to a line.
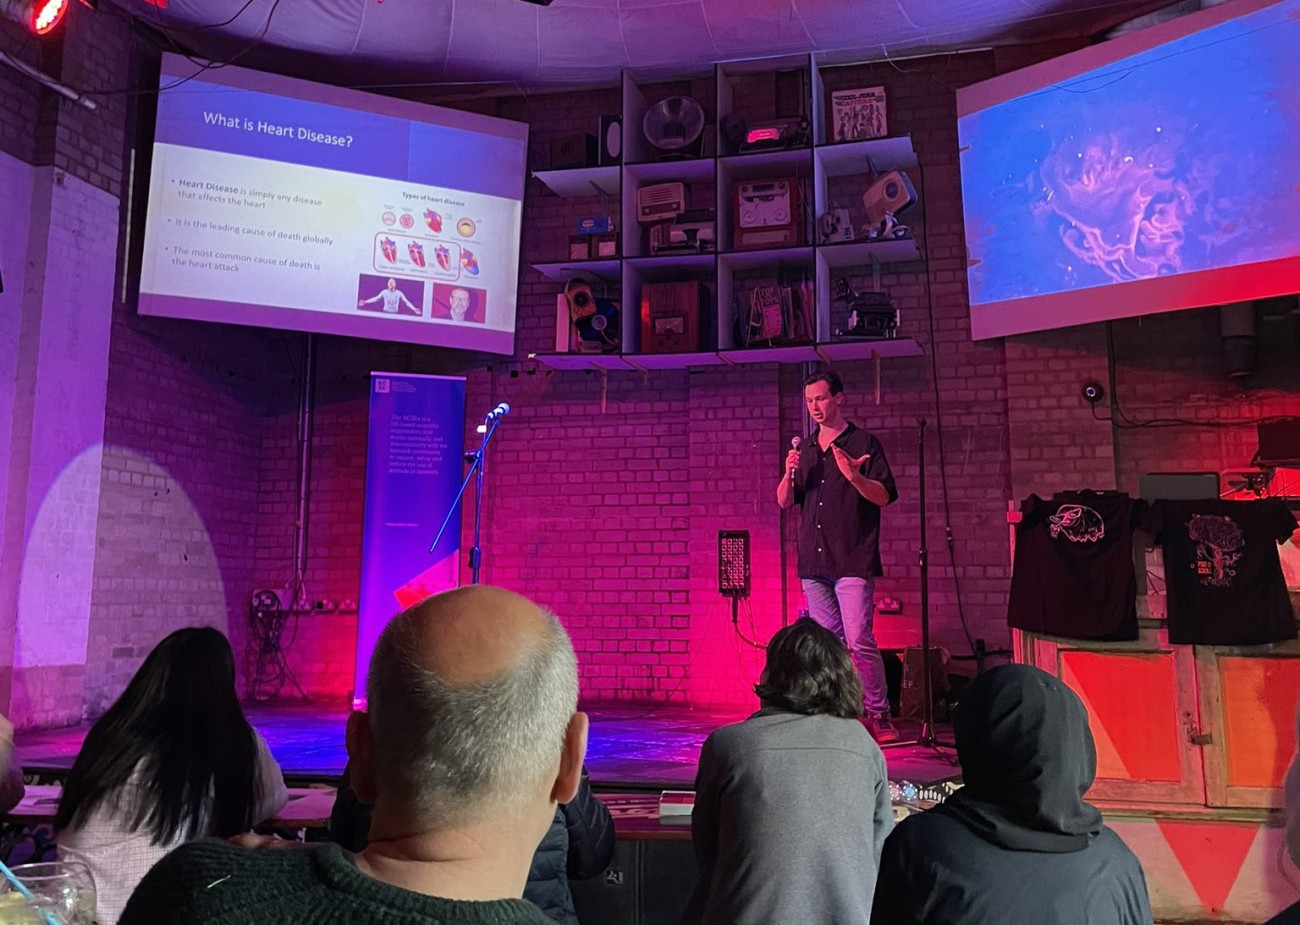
<point>630,749</point>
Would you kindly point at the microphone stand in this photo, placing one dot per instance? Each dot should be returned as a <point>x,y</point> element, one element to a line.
<point>475,458</point>
<point>927,738</point>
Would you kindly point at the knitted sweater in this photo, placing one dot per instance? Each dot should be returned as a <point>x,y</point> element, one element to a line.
<point>215,883</point>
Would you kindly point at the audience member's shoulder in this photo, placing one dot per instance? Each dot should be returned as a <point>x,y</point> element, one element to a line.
<point>1108,841</point>
<point>926,829</point>
<point>197,881</point>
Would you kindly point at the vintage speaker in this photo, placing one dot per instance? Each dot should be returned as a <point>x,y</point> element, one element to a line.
<point>611,140</point>
<point>673,317</point>
<point>646,883</point>
<point>1279,443</point>
<point>573,151</point>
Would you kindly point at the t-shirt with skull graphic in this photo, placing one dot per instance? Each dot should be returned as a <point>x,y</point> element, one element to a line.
<point>1073,574</point>
<point>1222,572</point>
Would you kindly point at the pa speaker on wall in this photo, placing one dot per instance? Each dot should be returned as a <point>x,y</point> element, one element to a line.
<point>611,140</point>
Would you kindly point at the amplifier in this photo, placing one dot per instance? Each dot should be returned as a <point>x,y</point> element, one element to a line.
<point>673,317</point>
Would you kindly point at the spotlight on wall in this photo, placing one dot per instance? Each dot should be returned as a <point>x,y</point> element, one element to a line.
<point>1092,392</point>
<point>40,16</point>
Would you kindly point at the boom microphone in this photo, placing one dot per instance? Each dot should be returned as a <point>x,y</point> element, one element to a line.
<point>499,411</point>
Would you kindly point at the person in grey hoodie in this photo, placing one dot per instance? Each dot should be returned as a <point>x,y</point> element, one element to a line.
<point>792,805</point>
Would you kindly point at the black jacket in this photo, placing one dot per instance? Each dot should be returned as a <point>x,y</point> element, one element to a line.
<point>579,844</point>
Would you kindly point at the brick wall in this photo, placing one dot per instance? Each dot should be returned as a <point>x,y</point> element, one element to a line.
<point>606,493</point>
<point>173,513</point>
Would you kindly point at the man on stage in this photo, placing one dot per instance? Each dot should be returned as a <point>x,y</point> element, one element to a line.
<point>841,479</point>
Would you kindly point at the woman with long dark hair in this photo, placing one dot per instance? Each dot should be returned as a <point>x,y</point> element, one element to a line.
<point>792,805</point>
<point>172,760</point>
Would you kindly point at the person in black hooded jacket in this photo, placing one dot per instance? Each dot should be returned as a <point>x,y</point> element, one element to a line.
<point>1017,843</point>
<point>579,845</point>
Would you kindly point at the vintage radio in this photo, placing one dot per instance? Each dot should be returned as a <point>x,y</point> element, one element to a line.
<point>660,202</point>
<point>673,317</point>
<point>767,213</point>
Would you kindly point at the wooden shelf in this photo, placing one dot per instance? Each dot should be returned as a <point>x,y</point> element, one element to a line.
<point>688,170</point>
<point>875,155</point>
<point>739,261</point>
<point>834,352</point>
<point>561,270</point>
<point>793,353</point>
<point>577,182</point>
<point>757,164</point>
<point>732,272</point>
<point>863,253</point>
<point>841,350</point>
<point>672,264</point>
<point>571,361</point>
<point>672,360</point>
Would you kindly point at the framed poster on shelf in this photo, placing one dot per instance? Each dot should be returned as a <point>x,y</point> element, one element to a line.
<point>858,114</point>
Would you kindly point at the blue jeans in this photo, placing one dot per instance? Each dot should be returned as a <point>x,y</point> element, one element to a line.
<point>846,607</point>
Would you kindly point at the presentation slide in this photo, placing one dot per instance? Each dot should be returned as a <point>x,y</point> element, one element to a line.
<point>285,204</point>
<point>1166,178</point>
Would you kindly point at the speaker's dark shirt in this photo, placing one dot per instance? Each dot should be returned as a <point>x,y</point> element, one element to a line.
<point>839,530</point>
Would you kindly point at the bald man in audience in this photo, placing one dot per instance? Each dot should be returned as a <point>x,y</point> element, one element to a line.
<point>471,740</point>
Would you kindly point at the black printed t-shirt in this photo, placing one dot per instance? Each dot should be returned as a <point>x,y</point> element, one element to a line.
<point>1222,573</point>
<point>1073,574</point>
<point>839,530</point>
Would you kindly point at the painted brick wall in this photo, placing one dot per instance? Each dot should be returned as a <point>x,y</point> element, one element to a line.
<point>182,417</point>
<point>18,116</point>
<point>606,493</point>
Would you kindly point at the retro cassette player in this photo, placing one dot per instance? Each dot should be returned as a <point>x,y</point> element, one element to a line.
<point>767,213</point>
<point>691,232</point>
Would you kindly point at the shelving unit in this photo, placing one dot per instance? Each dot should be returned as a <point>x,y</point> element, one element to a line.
<point>817,169</point>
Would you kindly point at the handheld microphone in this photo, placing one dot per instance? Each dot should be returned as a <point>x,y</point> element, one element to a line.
<point>795,443</point>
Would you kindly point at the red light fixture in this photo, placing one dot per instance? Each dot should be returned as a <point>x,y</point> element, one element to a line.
<point>46,15</point>
<point>40,16</point>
